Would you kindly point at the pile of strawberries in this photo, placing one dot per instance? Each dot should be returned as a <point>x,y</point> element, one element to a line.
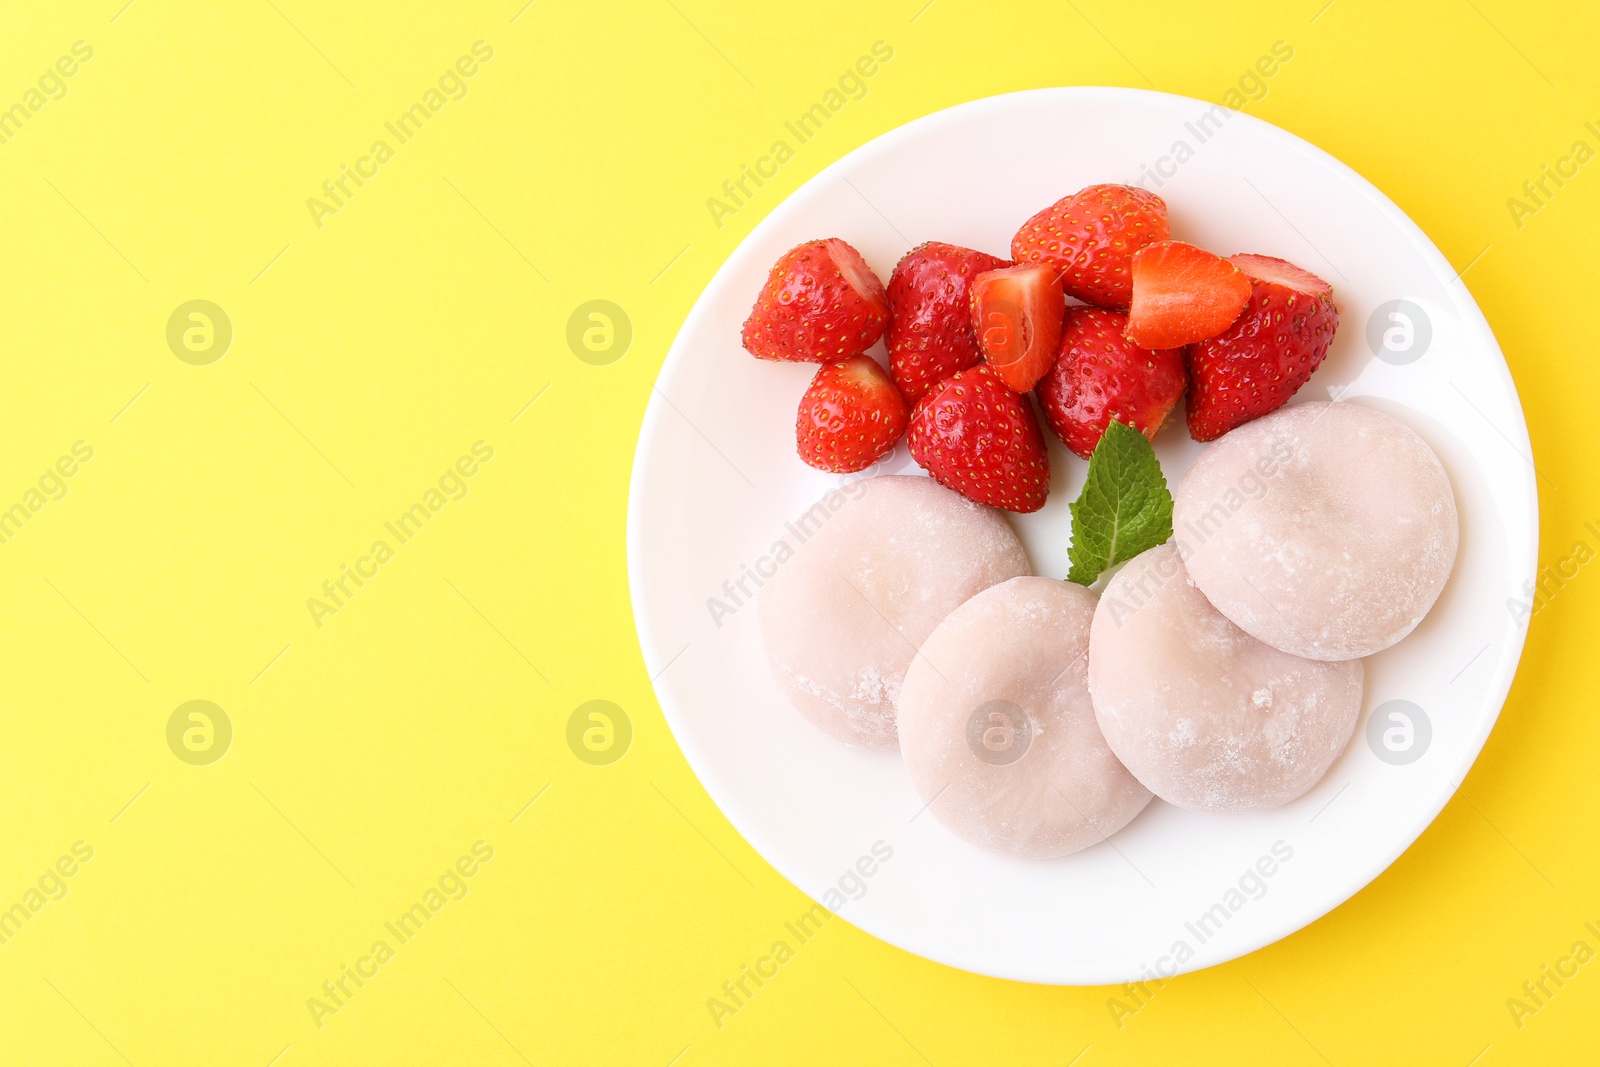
<point>969,334</point>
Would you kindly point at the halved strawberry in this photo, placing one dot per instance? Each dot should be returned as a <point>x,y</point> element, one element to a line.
<point>1183,294</point>
<point>850,417</point>
<point>979,438</point>
<point>821,303</point>
<point>1101,375</point>
<point>930,334</point>
<point>1090,237</point>
<point>1017,312</point>
<point>1257,364</point>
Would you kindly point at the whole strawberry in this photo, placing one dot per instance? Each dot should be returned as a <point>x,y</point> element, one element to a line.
<point>976,436</point>
<point>1101,375</point>
<point>850,417</point>
<point>1257,364</point>
<point>930,329</point>
<point>821,304</point>
<point>1089,239</point>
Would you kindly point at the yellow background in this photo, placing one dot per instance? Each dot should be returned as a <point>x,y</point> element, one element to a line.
<point>370,353</point>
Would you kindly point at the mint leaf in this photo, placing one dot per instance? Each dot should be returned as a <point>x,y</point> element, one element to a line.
<point>1124,508</point>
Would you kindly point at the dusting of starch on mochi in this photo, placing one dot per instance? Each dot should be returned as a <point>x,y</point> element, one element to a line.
<point>865,575</point>
<point>1204,715</point>
<point>1326,530</point>
<point>997,729</point>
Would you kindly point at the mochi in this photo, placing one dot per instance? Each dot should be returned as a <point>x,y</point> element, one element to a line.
<point>864,576</point>
<point>1204,715</point>
<point>997,729</point>
<point>1325,530</point>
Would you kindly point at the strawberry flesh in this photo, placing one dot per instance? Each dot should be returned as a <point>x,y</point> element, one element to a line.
<point>1255,365</point>
<point>850,417</point>
<point>821,303</point>
<point>1101,375</point>
<point>1017,313</point>
<point>976,436</point>
<point>1089,239</point>
<point>930,335</point>
<point>1183,294</point>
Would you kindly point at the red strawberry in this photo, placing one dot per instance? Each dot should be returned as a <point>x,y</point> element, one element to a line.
<point>930,328</point>
<point>979,438</point>
<point>1089,238</point>
<point>1183,294</point>
<point>821,304</point>
<point>850,417</point>
<point>1101,375</point>
<point>1017,312</point>
<point>1257,364</point>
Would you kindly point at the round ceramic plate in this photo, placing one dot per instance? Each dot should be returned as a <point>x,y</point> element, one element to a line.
<point>716,478</point>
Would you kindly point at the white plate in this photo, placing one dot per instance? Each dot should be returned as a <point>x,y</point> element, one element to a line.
<point>716,476</point>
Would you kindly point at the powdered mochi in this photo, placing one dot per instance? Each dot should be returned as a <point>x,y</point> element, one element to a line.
<point>865,576</point>
<point>997,729</point>
<point>1206,716</point>
<point>1325,530</point>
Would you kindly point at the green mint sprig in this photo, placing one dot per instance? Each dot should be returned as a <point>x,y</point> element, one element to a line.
<point>1125,507</point>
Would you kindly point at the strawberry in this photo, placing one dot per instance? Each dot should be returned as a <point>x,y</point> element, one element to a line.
<point>930,329</point>
<point>1257,364</point>
<point>1090,237</point>
<point>1017,312</point>
<point>850,417</point>
<point>977,437</point>
<point>1101,375</point>
<point>821,304</point>
<point>1183,294</point>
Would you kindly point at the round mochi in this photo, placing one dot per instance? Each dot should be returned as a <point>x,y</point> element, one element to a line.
<point>1325,530</point>
<point>1203,714</point>
<point>997,729</point>
<point>862,579</point>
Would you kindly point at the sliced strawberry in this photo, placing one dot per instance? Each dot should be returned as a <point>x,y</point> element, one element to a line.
<point>1183,294</point>
<point>1257,364</point>
<point>979,438</point>
<point>1089,238</point>
<point>930,327</point>
<point>821,304</point>
<point>1017,312</point>
<point>1101,375</point>
<point>850,417</point>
